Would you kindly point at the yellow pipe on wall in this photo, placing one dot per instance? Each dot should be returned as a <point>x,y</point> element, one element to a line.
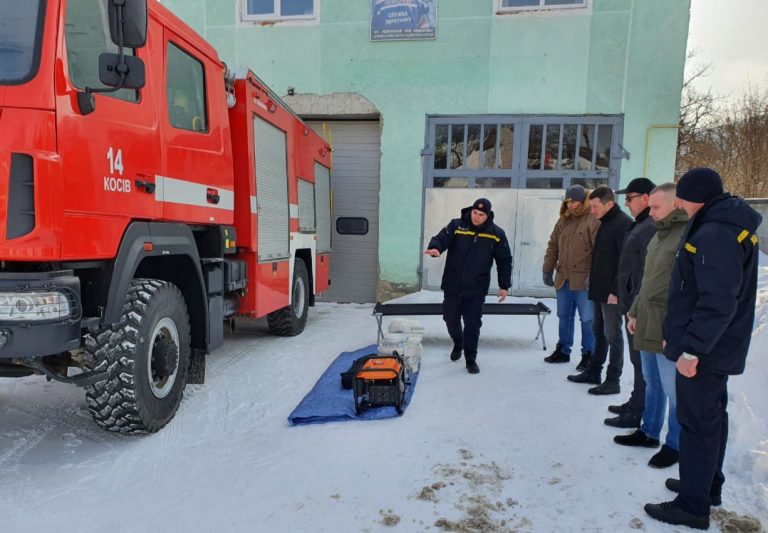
<point>649,136</point>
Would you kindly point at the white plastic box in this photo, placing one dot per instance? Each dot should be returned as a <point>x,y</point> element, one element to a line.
<point>406,345</point>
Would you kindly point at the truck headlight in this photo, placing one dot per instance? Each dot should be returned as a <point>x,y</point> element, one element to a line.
<point>32,306</point>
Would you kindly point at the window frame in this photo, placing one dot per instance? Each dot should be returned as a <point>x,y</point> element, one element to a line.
<point>519,172</point>
<point>120,94</point>
<point>499,9</point>
<point>206,117</point>
<point>275,15</point>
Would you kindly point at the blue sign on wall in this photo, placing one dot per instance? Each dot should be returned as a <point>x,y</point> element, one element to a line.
<point>393,20</point>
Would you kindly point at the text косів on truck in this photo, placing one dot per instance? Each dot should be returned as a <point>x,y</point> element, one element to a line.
<point>146,196</point>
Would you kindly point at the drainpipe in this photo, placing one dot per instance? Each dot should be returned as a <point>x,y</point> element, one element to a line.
<point>649,136</point>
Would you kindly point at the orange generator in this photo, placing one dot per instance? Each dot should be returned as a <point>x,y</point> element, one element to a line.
<point>380,382</point>
<point>146,197</point>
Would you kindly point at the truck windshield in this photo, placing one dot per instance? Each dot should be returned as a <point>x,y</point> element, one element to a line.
<point>21,32</point>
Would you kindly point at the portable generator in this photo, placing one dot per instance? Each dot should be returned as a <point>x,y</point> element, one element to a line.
<point>380,382</point>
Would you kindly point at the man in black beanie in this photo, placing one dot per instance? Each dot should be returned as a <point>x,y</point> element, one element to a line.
<point>707,330</point>
<point>473,243</point>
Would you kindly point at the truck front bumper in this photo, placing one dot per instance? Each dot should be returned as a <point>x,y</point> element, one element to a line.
<point>39,337</point>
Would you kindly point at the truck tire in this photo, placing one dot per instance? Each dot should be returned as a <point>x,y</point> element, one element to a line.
<point>146,355</point>
<point>290,320</point>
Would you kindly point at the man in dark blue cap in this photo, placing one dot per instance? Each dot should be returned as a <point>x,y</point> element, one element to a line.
<point>707,330</point>
<point>637,195</point>
<point>473,243</point>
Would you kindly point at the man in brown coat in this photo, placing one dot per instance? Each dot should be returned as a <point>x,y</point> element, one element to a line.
<point>566,267</point>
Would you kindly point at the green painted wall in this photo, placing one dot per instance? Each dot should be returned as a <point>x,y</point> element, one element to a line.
<point>618,56</point>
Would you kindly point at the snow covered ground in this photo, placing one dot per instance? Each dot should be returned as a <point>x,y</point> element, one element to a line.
<point>515,448</point>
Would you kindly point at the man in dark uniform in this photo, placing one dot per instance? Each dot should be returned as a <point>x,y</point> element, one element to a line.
<point>708,327</point>
<point>606,324</point>
<point>473,242</point>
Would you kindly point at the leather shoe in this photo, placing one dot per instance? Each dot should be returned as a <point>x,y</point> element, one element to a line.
<point>625,420</point>
<point>674,485</point>
<point>606,387</point>
<point>472,368</point>
<point>455,354</point>
<point>585,377</point>
<point>671,513</point>
<point>664,458</point>
<point>636,438</point>
<point>618,409</point>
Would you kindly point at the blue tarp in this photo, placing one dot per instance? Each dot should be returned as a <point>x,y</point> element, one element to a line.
<point>329,402</point>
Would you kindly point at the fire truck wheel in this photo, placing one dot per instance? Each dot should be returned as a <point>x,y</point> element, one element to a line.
<point>291,320</point>
<point>146,355</point>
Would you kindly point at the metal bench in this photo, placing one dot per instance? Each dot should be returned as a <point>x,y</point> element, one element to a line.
<point>538,309</point>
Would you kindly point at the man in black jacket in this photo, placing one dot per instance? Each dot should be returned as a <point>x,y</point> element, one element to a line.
<point>473,242</point>
<point>606,324</point>
<point>708,327</point>
<point>631,265</point>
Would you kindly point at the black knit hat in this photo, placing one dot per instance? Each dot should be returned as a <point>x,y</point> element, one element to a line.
<point>700,185</point>
<point>482,204</point>
<point>638,186</point>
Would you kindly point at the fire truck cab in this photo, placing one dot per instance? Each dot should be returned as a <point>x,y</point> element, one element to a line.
<point>146,197</point>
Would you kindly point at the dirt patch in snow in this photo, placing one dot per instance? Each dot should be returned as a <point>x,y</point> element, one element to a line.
<point>479,497</point>
<point>388,518</point>
<point>731,522</point>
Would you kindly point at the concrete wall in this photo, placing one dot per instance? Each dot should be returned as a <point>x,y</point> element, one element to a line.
<point>617,56</point>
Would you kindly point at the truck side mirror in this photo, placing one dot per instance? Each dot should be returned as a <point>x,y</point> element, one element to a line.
<point>110,70</point>
<point>131,16</point>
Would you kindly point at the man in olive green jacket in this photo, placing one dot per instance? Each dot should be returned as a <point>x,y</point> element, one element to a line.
<point>646,317</point>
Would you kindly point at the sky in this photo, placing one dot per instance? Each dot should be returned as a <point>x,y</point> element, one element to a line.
<point>732,37</point>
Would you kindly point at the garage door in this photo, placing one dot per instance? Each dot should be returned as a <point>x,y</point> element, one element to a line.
<point>355,216</point>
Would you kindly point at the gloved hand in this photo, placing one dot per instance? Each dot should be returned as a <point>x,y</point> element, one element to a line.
<point>549,279</point>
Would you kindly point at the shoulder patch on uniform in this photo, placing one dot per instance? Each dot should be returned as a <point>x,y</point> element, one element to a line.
<point>689,247</point>
<point>754,239</point>
<point>743,235</point>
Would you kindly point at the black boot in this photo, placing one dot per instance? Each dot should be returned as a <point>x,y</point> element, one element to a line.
<point>586,356</point>
<point>455,353</point>
<point>558,356</point>
<point>671,513</point>
<point>665,458</point>
<point>472,368</point>
<point>715,500</point>
<point>626,420</point>
<point>618,409</point>
<point>637,438</point>
<point>588,376</point>
<point>609,386</point>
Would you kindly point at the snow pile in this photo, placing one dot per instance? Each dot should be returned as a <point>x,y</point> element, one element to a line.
<point>747,454</point>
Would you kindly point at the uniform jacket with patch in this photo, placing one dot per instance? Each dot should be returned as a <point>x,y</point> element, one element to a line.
<point>605,254</point>
<point>650,305</point>
<point>632,259</point>
<point>711,299</point>
<point>569,251</point>
<point>471,252</point>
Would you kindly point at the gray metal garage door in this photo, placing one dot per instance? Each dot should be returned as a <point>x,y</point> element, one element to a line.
<point>355,217</point>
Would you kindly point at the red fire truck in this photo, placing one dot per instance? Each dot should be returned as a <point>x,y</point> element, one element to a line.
<point>147,197</point>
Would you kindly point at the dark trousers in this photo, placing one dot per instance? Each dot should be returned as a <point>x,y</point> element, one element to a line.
<point>470,309</point>
<point>636,402</point>
<point>606,325</point>
<point>702,403</point>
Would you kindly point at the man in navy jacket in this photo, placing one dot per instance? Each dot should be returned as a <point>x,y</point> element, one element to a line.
<point>710,314</point>
<point>473,242</point>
